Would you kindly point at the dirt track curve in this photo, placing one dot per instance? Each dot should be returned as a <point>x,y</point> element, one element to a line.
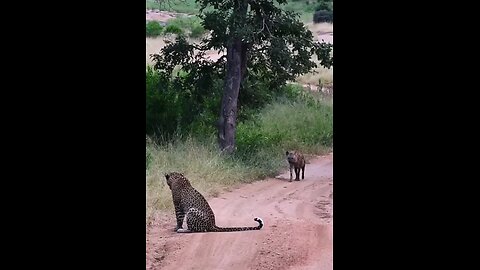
<point>297,235</point>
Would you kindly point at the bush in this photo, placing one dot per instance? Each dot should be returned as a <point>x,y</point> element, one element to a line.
<point>173,29</point>
<point>197,31</point>
<point>323,16</point>
<point>154,29</point>
<point>174,109</point>
<point>166,108</point>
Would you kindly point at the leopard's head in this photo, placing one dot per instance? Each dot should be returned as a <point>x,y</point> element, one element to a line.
<point>176,180</point>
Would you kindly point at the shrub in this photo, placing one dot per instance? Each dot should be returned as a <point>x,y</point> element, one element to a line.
<point>165,107</point>
<point>323,16</point>
<point>197,31</point>
<point>154,29</point>
<point>173,29</point>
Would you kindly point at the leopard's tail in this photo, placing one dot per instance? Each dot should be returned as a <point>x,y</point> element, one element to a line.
<point>236,229</point>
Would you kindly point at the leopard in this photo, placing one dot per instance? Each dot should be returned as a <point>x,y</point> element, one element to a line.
<point>192,205</point>
<point>296,160</point>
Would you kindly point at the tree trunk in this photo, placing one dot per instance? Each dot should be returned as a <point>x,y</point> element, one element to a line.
<point>236,69</point>
<point>228,113</point>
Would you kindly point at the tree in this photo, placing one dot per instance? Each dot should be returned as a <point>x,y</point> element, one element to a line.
<point>261,41</point>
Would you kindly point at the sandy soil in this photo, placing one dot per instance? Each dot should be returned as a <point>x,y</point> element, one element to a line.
<point>328,38</point>
<point>297,234</point>
<point>161,16</point>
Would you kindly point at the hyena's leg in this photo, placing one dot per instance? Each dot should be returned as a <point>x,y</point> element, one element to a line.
<point>291,168</point>
<point>303,172</point>
<point>297,174</point>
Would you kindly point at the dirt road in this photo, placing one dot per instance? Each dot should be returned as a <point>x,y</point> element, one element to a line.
<point>297,234</point>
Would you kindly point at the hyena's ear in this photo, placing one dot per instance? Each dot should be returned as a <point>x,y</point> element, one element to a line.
<point>167,176</point>
<point>286,153</point>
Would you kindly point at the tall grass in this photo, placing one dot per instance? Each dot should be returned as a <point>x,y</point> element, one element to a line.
<point>200,161</point>
<point>288,125</point>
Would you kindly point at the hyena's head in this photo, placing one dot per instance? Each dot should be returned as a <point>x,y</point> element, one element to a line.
<point>292,156</point>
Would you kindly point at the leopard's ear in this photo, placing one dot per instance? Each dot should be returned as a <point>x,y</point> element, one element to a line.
<point>286,153</point>
<point>167,176</point>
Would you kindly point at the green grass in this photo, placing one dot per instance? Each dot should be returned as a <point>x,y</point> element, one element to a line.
<point>261,144</point>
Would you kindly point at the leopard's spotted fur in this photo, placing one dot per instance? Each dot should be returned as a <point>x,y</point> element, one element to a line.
<point>297,162</point>
<point>190,203</point>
